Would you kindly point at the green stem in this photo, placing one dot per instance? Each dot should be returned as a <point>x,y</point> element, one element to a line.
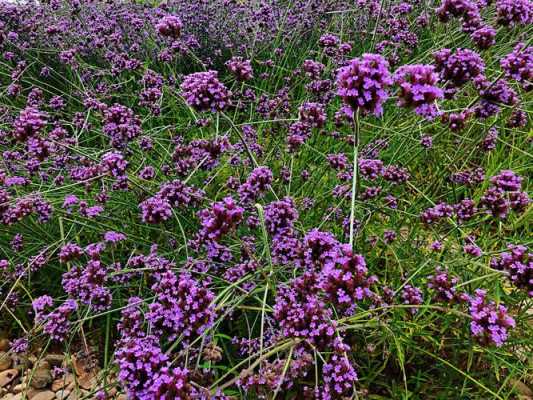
<point>355,173</point>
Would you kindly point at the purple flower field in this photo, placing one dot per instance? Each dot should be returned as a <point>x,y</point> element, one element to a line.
<point>266,199</point>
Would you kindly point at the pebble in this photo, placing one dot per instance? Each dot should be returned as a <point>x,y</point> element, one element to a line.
<point>7,376</point>
<point>5,361</point>
<point>44,395</point>
<point>60,383</point>
<point>62,394</point>
<point>87,381</point>
<point>22,363</point>
<point>31,393</point>
<point>75,395</point>
<point>41,378</point>
<point>55,360</point>
<point>11,396</point>
<point>4,344</point>
<point>19,388</point>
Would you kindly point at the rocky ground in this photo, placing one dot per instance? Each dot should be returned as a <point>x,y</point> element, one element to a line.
<point>52,376</point>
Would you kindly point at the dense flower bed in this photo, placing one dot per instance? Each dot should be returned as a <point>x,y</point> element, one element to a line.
<point>317,199</point>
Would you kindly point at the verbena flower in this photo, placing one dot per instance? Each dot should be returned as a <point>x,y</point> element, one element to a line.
<point>518,263</point>
<point>256,184</point>
<point>490,322</point>
<point>29,123</point>
<point>170,25</point>
<point>418,89</point>
<point>514,12</point>
<point>121,125</point>
<point>484,37</point>
<point>204,92</point>
<point>517,65</point>
<point>362,84</point>
<point>458,67</point>
<point>220,218</point>
<point>241,69</point>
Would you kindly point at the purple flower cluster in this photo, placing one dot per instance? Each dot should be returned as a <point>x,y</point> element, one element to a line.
<point>467,10</point>
<point>362,84</point>
<point>170,25</point>
<point>155,210</point>
<point>87,285</point>
<point>517,65</point>
<point>171,195</point>
<point>241,69</point>
<point>418,89</point>
<point>182,306</point>
<point>121,125</point>
<point>484,37</point>
<point>299,132</point>
<point>69,252</point>
<point>458,67</point>
<point>436,213</point>
<point>302,314</point>
<point>221,218</point>
<point>56,323</point>
<point>504,194</point>
<point>153,90</point>
<point>340,375</point>
<point>312,114</point>
<point>444,286</point>
<point>139,360</point>
<point>280,216</point>
<point>344,279</point>
<point>468,177</point>
<point>413,296</point>
<point>256,184</point>
<point>492,96</point>
<point>518,263</point>
<point>204,92</point>
<point>370,169</point>
<point>396,174</point>
<point>514,12</point>
<point>29,124</point>
<point>172,383</point>
<point>490,321</point>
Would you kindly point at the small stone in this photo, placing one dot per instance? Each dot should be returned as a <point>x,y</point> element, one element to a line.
<point>42,364</point>
<point>62,394</point>
<point>55,360</point>
<point>74,395</point>
<point>83,365</point>
<point>22,363</point>
<point>30,394</point>
<point>60,383</point>
<point>19,388</point>
<point>87,381</point>
<point>5,361</point>
<point>41,378</point>
<point>7,376</point>
<point>44,395</point>
<point>4,344</point>
<point>524,391</point>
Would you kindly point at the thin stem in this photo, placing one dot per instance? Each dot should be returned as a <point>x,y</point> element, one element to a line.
<point>355,180</point>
